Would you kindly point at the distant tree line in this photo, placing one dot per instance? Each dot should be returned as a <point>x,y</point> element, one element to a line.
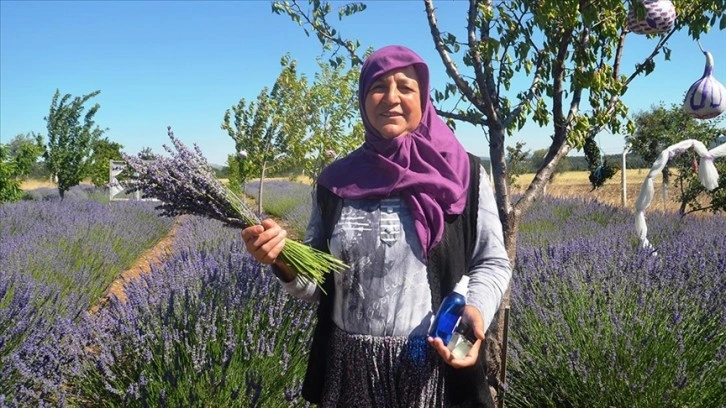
<point>270,143</point>
<point>74,150</point>
<point>578,163</point>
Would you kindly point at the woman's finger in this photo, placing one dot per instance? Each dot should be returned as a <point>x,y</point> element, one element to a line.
<point>272,247</point>
<point>467,361</point>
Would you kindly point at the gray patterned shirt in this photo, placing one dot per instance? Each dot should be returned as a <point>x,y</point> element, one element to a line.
<point>385,292</point>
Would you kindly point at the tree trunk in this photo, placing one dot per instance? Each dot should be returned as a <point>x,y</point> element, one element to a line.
<point>496,339</point>
<point>495,346</point>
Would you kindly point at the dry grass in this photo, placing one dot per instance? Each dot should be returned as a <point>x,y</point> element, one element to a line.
<point>32,184</point>
<point>576,184</point>
<point>27,185</point>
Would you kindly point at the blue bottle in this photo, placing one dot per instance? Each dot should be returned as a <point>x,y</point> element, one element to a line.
<point>450,312</point>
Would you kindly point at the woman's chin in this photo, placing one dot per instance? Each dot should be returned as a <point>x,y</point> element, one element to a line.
<point>391,132</point>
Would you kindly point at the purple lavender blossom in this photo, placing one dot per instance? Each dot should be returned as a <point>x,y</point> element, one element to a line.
<point>594,312</point>
<point>208,316</point>
<point>58,257</point>
<point>185,184</point>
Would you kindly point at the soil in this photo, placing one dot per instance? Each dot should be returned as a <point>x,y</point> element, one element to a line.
<point>153,256</point>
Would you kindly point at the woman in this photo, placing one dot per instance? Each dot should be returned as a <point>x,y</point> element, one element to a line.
<point>410,211</point>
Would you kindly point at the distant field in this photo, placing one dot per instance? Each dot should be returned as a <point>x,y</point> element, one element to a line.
<point>567,184</point>
<point>576,184</point>
<point>33,184</point>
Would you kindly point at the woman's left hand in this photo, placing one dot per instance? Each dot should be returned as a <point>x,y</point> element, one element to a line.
<point>472,317</point>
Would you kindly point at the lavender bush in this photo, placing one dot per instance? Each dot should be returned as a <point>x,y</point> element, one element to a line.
<point>57,259</point>
<point>186,184</point>
<point>598,322</point>
<point>79,192</point>
<point>208,327</point>
<point>285,199</point>
<point>76,243</point>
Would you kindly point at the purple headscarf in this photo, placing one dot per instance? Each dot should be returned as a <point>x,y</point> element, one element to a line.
<point>427,167</point>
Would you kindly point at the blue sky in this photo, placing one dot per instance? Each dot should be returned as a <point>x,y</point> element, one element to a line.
<point>184,63</point>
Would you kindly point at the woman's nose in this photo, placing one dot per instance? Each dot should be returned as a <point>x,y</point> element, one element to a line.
<point>391,95</point>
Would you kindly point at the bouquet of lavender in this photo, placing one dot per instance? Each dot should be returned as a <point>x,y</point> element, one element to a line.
<point>185,184</point>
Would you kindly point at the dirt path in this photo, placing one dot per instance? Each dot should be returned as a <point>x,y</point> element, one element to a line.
<point>153,256</point>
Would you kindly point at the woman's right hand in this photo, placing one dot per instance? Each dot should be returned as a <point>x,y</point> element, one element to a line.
<point>264,241</point>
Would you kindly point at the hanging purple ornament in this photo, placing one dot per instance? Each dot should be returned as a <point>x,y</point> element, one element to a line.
<point>706,98</point>
<point>660,15</point>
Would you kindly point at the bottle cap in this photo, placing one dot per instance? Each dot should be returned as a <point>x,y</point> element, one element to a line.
<point>466,331</point>
<point>461,287</point>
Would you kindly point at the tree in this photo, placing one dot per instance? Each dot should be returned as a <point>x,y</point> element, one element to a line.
<point>22,142</point>
<point>538,157</point>
<point>265,130</point>
<point>16,161</point>
<point>516,162</point>
<point>601,170</point>
<point>570,50</point>
<point>103,151</point>
<point>333,127</point>
<point>70,141</point>
<point>238,174</point>
<point>660,127</point>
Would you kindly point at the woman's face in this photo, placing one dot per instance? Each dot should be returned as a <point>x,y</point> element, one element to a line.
<point>393,103</point>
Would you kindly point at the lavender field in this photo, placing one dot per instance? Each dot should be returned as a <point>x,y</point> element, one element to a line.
<point>285,199</point>
<point>207,327</point>
<point>596,321</point>
<point>599,322</point>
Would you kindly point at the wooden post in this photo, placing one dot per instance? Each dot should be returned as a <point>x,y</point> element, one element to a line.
<point>505,341</point>
<point>623,183</point>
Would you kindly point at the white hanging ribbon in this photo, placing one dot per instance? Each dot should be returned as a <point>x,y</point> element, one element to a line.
<point>707,175</point>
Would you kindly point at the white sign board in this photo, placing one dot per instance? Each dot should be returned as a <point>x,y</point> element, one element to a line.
<point>119,190</point>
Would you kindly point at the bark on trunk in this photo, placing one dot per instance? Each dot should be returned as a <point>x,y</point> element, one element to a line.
<point>496,341</point>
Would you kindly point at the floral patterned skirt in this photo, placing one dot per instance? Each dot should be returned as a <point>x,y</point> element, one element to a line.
<point>375,371</point>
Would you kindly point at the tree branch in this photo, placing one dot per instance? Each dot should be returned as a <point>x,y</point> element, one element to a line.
<point>507,45</point>
<point>536,187</point>
<point>454,74</point>
<point>474,47</point>
<point>559,147</point>
<point>619,53</point>
<point>461,117</point>
<point>558,78</point>
<point>704,209</point>
<point>324,33</point>
<point>529,95</point>
<point>639,68</point>
<point>577,96</point>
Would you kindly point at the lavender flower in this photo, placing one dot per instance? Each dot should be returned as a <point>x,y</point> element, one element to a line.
<point>595,312</point>
<point>185,184</point>
<point>198,318</point>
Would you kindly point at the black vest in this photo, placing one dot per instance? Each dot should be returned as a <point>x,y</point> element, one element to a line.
<point>447,262</point>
